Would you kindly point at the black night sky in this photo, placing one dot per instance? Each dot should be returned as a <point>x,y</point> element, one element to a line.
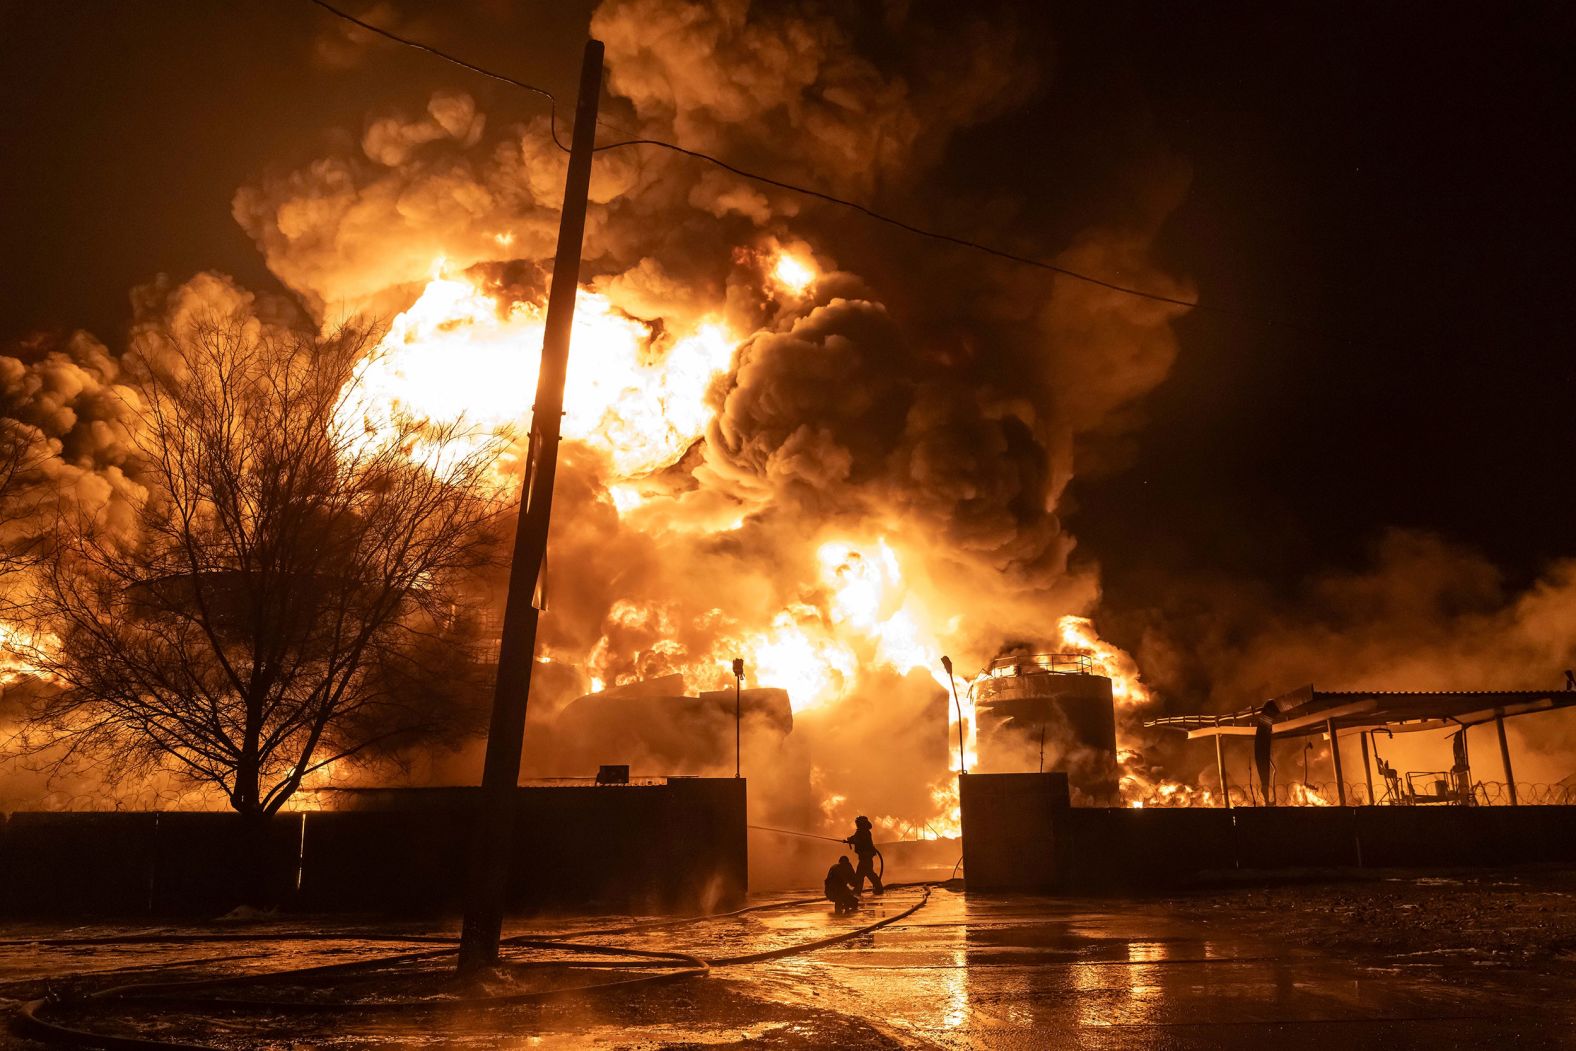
<point>1392,181</point>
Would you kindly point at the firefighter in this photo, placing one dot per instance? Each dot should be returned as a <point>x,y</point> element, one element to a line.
<point>865,850</point>
<point>840,887</point>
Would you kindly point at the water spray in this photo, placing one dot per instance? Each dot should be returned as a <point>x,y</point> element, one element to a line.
<point>802,835</point>
<point>830,839</point>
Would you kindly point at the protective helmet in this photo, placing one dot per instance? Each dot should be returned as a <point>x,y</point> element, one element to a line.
<point>842,859</point>
<point>861,821</point>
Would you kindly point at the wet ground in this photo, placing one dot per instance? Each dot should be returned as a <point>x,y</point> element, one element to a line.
<point>1440,961</point>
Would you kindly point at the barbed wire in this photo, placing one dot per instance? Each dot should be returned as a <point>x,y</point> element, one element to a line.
<point>1327,794</point>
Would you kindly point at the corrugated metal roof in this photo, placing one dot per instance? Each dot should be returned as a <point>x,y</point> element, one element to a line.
<point>1306,710</point>
<point>1437,693</point>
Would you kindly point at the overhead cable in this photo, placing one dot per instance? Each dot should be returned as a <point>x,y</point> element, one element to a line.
<point>842,202</point>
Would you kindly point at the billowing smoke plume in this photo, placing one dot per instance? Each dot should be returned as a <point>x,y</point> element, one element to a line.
<point>67,417</point>
<point>849,445</point>
<point>1425,614</point>
<point>72,464</point>
<point>879,468</point>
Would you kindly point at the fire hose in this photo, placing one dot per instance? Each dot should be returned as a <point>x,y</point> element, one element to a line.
<point>179,994</point>
<point>880,873</point>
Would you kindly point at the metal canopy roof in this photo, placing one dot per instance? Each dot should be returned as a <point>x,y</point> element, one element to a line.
<point>1311,711</point>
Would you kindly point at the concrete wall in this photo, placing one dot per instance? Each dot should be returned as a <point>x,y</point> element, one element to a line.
<point>1010,830</point>
<point>1013,838</point>
<point>676,847</point>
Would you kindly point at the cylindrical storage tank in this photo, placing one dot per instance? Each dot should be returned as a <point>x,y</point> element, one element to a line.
<point>1050,712</point>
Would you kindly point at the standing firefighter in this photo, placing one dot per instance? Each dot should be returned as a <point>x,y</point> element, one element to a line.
<point>865,850</point>
<point>840,887</point>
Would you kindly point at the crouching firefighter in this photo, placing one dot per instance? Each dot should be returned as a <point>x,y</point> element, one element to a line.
<point>865,850</point>
<point>840,887</point>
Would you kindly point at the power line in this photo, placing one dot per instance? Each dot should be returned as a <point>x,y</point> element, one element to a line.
<point>552,102</point>
<point>842,202</point>
<point>871,213</point>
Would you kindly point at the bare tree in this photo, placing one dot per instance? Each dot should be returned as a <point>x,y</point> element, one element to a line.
<point>288,597</point>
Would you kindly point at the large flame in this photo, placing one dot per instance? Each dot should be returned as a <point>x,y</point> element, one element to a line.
<point>1077,635</point>
<point>864,618</point>
<point>793,274</point>
<point>461,356</point>
<point>466,356</point>
<point>19,648</point>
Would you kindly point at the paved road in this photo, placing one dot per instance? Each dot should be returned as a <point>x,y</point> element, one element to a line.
<point>1032,973</point>
<point>964,972</point>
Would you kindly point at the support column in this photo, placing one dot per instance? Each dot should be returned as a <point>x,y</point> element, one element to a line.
<point>1335,756</point>
<point>1368,769</point>
<point>1504,757</point>
<point>1220,767</point>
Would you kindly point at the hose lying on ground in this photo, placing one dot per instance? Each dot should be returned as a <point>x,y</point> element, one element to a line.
<point>177,995</point>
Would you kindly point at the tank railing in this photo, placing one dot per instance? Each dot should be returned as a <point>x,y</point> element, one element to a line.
<point>1040,663</point>
<point>1325,794</point>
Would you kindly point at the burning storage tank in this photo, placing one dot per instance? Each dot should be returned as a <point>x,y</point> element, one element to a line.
<point>1049,711</point>
<point>654,724</point>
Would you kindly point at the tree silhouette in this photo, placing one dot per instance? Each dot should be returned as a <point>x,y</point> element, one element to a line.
<point>288,598</point>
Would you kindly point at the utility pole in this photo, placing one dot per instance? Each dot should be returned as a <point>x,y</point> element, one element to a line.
<point>494,828</point>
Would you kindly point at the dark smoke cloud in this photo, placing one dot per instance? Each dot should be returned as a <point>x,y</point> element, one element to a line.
<point>64,398</point>
<point>945,402</point>
<point>1424,614</point>
<point>790,82</point>
<point>946,407</point>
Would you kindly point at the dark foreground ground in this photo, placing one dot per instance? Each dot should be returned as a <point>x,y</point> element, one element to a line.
<point>1439,961</point>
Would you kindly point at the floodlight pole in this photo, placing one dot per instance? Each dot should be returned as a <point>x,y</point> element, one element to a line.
<point>738,690</point>
<point>494,828</point>
<point>946,662</point>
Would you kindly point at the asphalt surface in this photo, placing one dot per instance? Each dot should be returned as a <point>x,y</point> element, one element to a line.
<point>1026,973</point>
<point>963,972</point>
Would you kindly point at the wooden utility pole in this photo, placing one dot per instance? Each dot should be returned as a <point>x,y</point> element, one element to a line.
<point>738,689</point>
<point>490,851</point>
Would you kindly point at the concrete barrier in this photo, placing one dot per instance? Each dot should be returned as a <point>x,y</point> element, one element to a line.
<point>1021,836</point>
<point>384,861</point>
<point>679,846</point>
<point>78,864</point>
<point>1015,827</point>
<point>1294,837</point>
<point>208,863</point>
<point>1433,836</point>
<point>1117,848</point>
<point>1537,833</point>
